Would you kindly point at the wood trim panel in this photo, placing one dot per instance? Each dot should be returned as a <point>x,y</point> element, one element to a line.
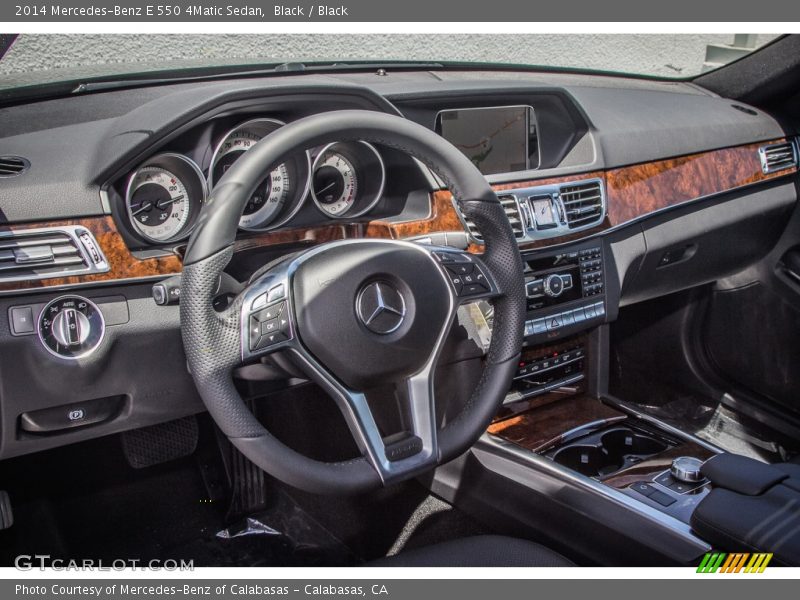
<point>123,264</point>
<point>638,190</point>
<point>632,192</point>
<point>543,426</point>
<point>650,468</point>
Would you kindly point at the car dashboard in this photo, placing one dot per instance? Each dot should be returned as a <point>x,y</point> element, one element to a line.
<point>617,190</point>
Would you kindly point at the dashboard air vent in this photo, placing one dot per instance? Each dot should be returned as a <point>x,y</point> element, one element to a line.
<point>583,203</point>
<point>511,208</point>
<point>49,252</point>
<point>777,157</point>
<point>11,166</point>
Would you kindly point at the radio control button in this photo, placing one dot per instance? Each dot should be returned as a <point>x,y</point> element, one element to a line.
<point>535,288</point>
<point>553,285</point>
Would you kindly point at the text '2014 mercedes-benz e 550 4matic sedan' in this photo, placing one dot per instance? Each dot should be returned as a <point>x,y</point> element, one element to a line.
<point>410,314</point>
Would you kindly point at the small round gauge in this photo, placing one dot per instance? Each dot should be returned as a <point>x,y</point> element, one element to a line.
<point>347,179</point>
<point>164,197</point>
<point>334,183</point>
<point>280,192</point>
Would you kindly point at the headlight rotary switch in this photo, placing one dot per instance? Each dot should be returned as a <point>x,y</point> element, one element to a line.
<point>71,327</point>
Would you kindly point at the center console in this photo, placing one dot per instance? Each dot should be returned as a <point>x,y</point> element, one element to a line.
<point>568,447</point>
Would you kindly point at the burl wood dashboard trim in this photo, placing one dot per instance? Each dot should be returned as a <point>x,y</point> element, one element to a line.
<point>123,265</point>
<point>631,192</point>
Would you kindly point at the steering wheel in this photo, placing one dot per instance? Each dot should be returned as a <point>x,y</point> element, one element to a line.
<point>353,313</point>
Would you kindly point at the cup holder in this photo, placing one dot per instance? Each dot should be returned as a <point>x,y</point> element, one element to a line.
<point>587,460</point>
<point>606,453</point>
<point>621,442</point>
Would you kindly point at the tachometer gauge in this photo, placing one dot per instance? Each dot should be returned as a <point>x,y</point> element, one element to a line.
<point>164,197</point>
<point>280,193</point>
<point>347,179</point>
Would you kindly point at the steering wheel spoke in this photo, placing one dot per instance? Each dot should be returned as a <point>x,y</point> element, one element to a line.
<point>394,457</point>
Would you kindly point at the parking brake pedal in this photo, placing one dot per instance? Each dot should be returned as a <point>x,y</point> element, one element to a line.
<point>6,515</point>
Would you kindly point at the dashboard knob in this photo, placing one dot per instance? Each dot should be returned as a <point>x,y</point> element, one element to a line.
<point>553,285</point>
<point>687,469</point>
<point>71,327</point>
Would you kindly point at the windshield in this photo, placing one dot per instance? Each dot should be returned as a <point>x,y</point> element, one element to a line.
<point>40,59</point>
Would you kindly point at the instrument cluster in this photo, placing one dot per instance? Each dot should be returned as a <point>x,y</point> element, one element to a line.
<point>165,194</point>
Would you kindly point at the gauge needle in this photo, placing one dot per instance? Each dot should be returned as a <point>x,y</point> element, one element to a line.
<point>143,207</point>
<point>330,185</point>
<point>168,202</point>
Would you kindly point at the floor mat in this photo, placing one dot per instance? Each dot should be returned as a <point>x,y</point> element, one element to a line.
<point>85,501</point>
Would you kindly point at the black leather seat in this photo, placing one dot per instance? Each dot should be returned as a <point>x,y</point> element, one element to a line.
<point>478,551</point>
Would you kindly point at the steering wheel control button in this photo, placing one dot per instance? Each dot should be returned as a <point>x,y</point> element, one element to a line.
<point>381,307</point>
<point>277,293</point>
<point>269,326</point>
<point>260,302</point>
<point>461,268</point>
<point>71,327</point>
<point>445,257</point>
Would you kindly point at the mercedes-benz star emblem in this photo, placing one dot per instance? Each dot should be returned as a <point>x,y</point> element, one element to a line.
<point>381,307</point>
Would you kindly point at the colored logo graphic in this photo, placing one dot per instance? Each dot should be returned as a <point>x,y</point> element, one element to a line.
<point>737,562</point>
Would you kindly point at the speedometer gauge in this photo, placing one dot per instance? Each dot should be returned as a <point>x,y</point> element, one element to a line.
<point>164,196</point>
<point>347,179</point>
<point>279,193</point>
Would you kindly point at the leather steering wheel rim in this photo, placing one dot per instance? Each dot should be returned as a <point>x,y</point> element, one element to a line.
<point>212,340</point>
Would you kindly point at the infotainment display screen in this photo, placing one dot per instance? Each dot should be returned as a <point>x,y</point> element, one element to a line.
<point>495,139</point>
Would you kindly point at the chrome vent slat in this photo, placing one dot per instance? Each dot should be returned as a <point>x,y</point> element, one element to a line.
<point>583,203</point>
<point>58,262</point>
<point>28,241</point>
<point>511,208</point>
<point>48,252</point>
<point>10,166</point>
<point>582,219</point>
<point>777,157</point>
<point>576,206</point>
